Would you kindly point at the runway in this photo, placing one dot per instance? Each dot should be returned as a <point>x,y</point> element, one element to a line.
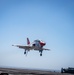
<point>15,71</point>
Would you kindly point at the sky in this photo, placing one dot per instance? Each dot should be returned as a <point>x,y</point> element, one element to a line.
<point>49,20</point>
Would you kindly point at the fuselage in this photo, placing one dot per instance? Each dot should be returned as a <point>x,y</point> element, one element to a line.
<point>38,44</point>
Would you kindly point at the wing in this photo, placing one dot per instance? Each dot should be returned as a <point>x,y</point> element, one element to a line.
<point>45,49</point>
<point>37,48</point>
<point>24,47</point>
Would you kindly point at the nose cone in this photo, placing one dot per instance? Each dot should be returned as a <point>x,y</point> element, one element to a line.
<point>42,43</point>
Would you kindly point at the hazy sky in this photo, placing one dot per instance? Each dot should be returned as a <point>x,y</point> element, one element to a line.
<point>49,20</point>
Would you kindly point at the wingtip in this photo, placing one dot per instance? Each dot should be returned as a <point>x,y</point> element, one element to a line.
<point>48,49</point>
<point>12,45</point>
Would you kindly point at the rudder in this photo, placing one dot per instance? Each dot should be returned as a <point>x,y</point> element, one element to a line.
<point>28,42</point>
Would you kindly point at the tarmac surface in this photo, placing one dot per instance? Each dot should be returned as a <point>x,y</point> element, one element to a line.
<point>15,71</point>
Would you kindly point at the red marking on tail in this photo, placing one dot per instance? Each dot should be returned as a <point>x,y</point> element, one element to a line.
<point>28,42</point>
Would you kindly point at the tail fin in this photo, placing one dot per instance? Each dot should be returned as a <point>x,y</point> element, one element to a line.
<point>28,42</point>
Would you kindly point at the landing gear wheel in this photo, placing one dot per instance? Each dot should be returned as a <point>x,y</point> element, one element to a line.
<point>40,54</point>
<point>24,52</point>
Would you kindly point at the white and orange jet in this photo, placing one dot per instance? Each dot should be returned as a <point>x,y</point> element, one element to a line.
<point>36,45</point>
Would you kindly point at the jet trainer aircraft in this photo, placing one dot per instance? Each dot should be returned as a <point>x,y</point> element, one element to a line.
<point>36,45</point>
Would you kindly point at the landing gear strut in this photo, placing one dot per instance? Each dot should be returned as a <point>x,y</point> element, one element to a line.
<point>26,52</point>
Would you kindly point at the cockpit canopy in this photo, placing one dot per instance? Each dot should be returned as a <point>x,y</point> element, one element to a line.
<point>36,40</point>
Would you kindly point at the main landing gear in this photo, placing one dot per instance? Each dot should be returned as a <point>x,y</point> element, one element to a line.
<point>25,52</point>
<point>40,52</point>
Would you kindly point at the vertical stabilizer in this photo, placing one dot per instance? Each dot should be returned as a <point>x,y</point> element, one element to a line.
<point>28,42</point>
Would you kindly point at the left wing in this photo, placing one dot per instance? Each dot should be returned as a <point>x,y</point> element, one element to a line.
<point>24,47</point>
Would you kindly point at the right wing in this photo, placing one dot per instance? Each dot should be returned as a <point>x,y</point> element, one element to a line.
<point>24,47</point>
<point>45,49</point>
